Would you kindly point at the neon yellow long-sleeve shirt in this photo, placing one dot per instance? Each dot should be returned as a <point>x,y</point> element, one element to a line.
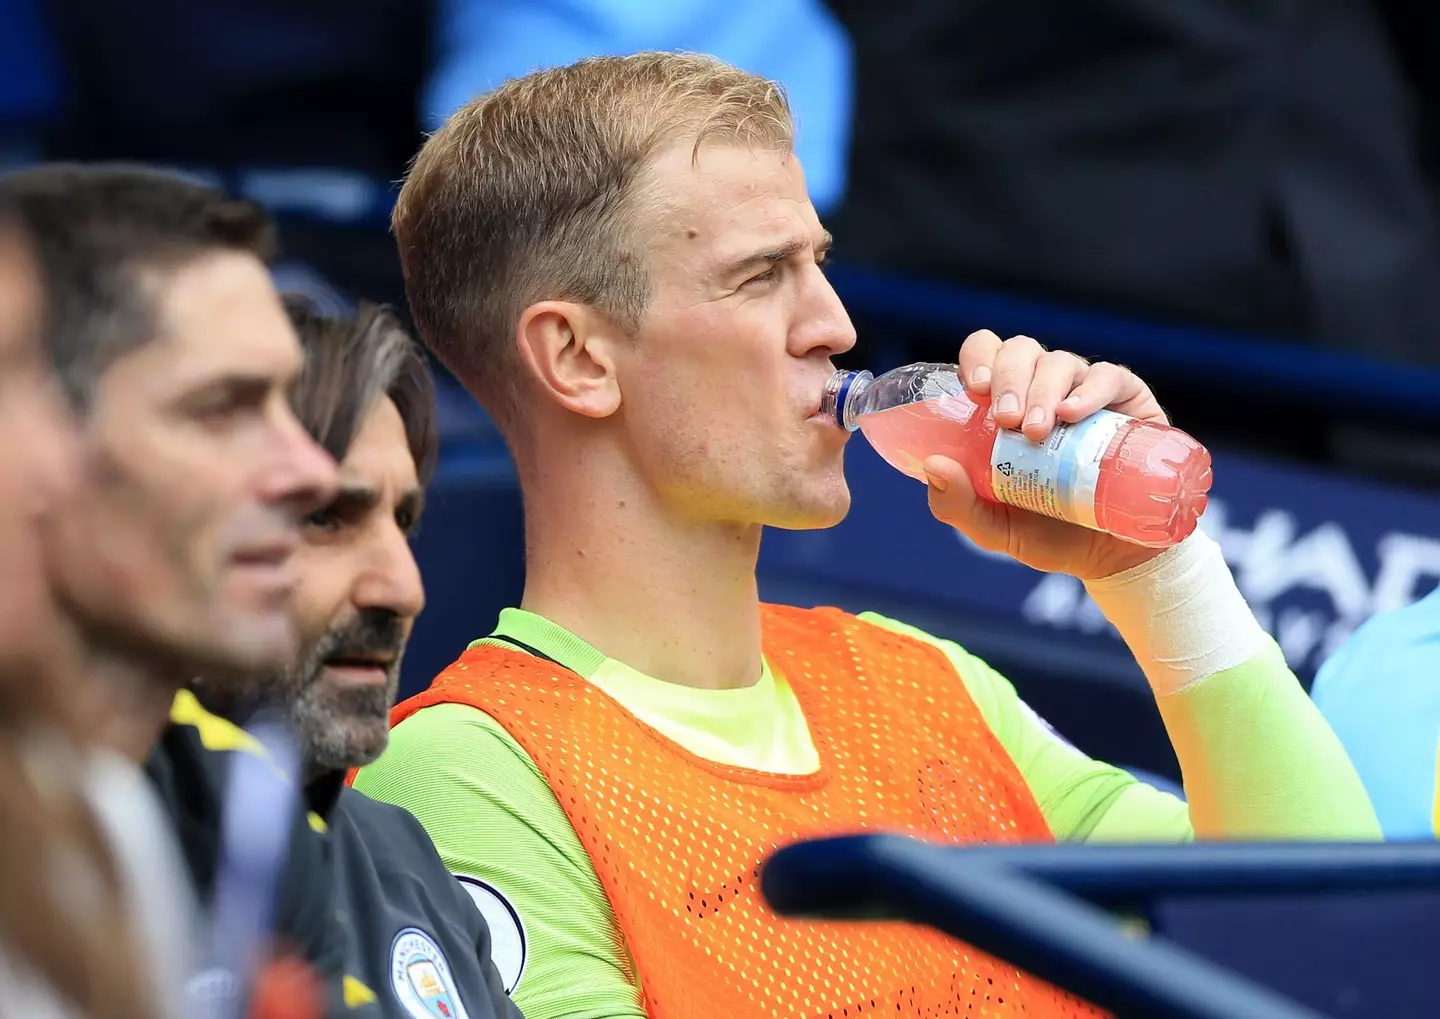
<point>1258,759</point>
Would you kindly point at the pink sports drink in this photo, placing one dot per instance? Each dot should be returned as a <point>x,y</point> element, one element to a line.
<point>1142,482</point>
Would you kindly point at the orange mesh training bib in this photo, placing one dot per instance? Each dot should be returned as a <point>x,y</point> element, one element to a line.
<point>678,840</point>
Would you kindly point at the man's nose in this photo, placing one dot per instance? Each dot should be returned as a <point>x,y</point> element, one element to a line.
<point>301,476</point>
<point>391,580</point>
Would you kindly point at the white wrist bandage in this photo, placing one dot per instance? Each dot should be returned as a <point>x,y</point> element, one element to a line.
<point>1181,615</point>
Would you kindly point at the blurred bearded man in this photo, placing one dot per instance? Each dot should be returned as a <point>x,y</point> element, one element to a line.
<point>416,936</point>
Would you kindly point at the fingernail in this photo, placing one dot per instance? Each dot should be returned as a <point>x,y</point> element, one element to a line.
<point>1035,417</point>
<point>980,376</point>
<point>936,482</point>
<point>1007,404</point>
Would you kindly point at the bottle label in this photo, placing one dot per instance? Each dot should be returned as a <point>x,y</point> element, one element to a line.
<point>1056,477</point>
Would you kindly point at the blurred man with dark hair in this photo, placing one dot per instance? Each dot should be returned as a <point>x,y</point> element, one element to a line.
<point>175,558</point>
<point>170,340</point>
<point>38,464</point>
<point>68,947</point>
<point>365,396</point>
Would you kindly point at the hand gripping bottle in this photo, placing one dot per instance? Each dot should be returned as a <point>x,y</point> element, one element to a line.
<point>1142,482</point>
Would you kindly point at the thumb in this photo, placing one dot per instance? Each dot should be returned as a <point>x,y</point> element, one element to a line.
<point>954,501</point>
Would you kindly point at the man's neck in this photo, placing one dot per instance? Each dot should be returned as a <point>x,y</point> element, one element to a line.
<point>676,600</point>
<point>136,700</point>
<point>322,789</point>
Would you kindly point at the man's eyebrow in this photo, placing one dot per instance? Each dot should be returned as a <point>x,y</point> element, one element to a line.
<point>354,497</point>
<point>780,253</point>
<point>238,384</point>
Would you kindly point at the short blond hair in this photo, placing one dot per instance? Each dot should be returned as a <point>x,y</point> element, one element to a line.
<point>526,194</point>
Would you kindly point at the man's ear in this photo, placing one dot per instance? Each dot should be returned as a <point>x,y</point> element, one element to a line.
<point>570,350</point>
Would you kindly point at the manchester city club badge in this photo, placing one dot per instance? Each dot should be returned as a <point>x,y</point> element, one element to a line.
<point>421,977</point>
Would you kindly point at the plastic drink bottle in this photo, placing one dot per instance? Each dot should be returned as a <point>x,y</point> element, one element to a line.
<point>1139,481</point>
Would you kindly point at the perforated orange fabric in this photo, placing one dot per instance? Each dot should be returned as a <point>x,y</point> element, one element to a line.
<point>678,840</point>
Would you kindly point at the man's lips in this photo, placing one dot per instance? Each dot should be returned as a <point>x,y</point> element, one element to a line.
<point>361,669</point>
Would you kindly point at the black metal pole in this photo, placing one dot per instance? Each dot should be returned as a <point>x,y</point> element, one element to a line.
<point>1045,932</point>
<point>1119,877</point>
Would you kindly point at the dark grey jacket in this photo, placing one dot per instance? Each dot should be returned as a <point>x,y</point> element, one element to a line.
<point>414,935</point>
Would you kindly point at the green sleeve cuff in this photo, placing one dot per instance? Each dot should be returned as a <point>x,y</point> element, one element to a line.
<point>1259,760</point>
